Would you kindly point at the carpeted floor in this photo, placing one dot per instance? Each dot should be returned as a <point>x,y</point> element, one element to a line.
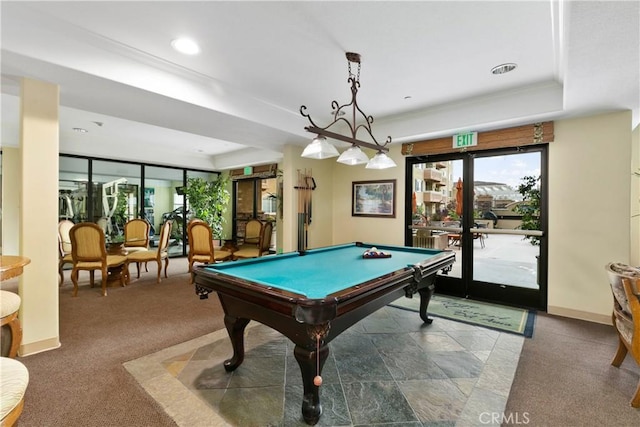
<point>564,376</point>
<point>84,383</point>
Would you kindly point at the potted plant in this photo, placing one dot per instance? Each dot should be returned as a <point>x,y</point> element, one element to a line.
<point>208,201</point>
<point>530,206</point>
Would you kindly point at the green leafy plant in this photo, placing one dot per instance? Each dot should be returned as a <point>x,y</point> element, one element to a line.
<point>530,206</point>
<point>208,201</point>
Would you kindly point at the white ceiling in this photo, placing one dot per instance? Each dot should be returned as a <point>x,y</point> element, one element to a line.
<point>237,102</point>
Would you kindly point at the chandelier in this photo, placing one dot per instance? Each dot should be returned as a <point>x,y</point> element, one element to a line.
<point>320,148</point>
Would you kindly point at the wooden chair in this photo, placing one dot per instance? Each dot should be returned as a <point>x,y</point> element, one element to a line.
<point>136,235</point>
<point>162,253</point>
<point>248,250</point>
<point>64,247</point>
<point>89,253</point>
<point>625,286</point>
<point>201,245</point>
<point>252,231</point>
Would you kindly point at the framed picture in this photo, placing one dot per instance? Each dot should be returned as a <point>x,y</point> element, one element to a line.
<point>374,198</point>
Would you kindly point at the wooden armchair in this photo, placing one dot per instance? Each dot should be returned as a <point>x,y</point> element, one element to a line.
<point>162,253</point>
<point>201,245</point>
<point>64,246</point>
<point>89,253</point>
<point>248,250</point>
<point>625,286</point>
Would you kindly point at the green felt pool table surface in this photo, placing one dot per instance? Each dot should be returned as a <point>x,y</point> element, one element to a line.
<point>324,271</point>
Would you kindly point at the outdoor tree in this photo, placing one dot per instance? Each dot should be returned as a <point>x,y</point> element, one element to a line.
<point>529,188</point>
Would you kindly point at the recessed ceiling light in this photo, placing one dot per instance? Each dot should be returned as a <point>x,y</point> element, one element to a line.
<point>186,46</point>
<point>503,68</point>
<point>407,97</point>
<point>80,130</point>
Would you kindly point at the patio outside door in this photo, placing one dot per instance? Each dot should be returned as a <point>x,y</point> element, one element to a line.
<point>470,203</point>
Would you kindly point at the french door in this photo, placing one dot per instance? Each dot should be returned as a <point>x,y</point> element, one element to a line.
<point>489,207</point>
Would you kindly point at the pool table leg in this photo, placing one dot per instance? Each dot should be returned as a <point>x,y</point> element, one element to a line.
<point>311,407</point>
<point>235,329</point>
<point>425,296</point>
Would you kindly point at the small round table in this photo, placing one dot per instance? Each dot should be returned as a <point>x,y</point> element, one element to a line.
<point>11,266</point>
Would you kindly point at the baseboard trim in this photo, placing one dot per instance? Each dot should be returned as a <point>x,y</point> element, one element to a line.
<point>39,346</point>
<point>581,315</point>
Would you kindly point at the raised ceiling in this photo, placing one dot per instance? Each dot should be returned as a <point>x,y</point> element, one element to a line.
<point>425,70</point>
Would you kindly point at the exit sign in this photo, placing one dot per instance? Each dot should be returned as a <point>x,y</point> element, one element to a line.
<point>248,170</point>
<point>462,140</point>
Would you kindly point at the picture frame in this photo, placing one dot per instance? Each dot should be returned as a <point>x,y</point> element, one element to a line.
<point>374,198</point>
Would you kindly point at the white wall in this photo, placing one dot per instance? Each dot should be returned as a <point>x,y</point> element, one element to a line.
<point>319,231</point>
<point>349,228</point>
<point>589,212</point>
<point>11,188</point>
<point>332,221</point>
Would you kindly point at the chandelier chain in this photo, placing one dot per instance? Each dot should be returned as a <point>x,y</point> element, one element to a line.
<point>357,77</point>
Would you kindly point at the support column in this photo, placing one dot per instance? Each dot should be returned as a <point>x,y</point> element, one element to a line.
<point>39,146</point>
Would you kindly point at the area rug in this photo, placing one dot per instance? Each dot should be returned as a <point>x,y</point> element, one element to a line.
<point>499,317</point>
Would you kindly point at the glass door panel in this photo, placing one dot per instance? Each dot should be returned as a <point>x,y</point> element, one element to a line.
<point>115,197</point>
<point>435,215</point>
<point>245,206</point>
<point>254,198</point>
<point>510,255</point>
<point>164,201</point>
<point>73,192</point>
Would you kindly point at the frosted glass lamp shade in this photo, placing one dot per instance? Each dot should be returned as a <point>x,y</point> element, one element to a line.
<point>353,156</point>
<point>319,148</point>
<point>381,161</point>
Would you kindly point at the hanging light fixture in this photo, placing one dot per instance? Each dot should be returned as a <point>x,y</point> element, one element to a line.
<point>381,161</point>
<point>320,148</point>
<point>354,155</point>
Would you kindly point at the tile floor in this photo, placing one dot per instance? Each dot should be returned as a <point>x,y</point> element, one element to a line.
<point>387,370</point>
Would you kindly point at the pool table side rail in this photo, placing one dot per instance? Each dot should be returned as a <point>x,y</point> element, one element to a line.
<point>420,270</point>
<point>303,309</point>
<point>319,310</point>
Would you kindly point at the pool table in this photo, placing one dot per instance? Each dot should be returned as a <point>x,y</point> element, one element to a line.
<point>313,296</point>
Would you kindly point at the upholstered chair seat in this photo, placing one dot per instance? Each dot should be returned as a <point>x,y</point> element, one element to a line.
<point>89,253</point>
<point>9,306</point>
<point>249,250</point>
<point>13,385</point>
